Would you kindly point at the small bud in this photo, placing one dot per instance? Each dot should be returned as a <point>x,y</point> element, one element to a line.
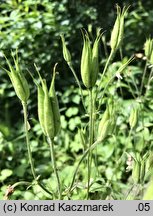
<point>103,130</point>
<point>107,123</point>
<point>105,117</point>
<point>133,119</point>
<point>66,53</point>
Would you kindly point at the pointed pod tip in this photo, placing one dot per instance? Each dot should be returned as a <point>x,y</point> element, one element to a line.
<point>62,37</point>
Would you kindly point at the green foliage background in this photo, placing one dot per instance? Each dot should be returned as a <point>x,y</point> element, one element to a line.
<point>34,28</point>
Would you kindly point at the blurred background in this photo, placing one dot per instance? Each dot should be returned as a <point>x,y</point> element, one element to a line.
<point>34,27</point>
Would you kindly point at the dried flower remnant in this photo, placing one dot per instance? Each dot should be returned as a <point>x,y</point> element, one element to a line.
<point>9,192</point>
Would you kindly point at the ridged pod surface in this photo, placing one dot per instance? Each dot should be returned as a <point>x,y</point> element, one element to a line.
<point>133,119</point>
<point>118,29</point>
<point>48,114</point>
<point>107,122</point>
<point>41,107</point>
<point>48,109</point>
<point>55,105</point>
<point>89,61</point>
<point>18,80</point>
<point>148,49</point>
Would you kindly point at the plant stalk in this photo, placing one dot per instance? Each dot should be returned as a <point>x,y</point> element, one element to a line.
<point>52,152</point>
<point>143,78</point>
<point>106,67</point>
<point>78,83</point>
<point>80,161</point>
<point>111,55</point>
<point>29,149</point>
<point>27,139</point>
<point>91,137</point>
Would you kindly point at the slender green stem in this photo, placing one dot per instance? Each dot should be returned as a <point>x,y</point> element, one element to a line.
<point>78,82</point>
<point>30,184</point>
<point>111,55</point>
<point>80,161</point>
<point>142,120</point>
<point>121,53</point>
<point>27,140</point>
<point>131,90</point>
<point>21,183</point>
<point>105,46</point>
<point>29,149</point>
<point>51,144</point>
<point>91,137</point>
<point>135,85</point>
<point>106,67</point>
<point>44,189</point>
<point>103,93</point>
<point>143,78</point>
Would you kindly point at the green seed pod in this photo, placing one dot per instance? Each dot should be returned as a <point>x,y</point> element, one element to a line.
<point>21,77</point>
<point>89,61</point>
<point>133,119</point>
<point>95,61</point>
<point>86,62</point>
<point>115,31</point>
<point>48,109</point>
<point>105,117</point>
<point>118,29</point>
<point>136,171</point>
<point>18,80</point>
<point>41,108</point>
<point>108,121</point>
<point>103,130</point>
<point>66,53</point>
<point>148,48</point>
<point>54,102</point>
<point>48,114</point>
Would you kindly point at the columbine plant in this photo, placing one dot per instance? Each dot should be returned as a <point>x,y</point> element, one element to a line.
<point>21,88</point>
<point>49,117</point>
<point>89,74</point>
<point>99,127</point>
